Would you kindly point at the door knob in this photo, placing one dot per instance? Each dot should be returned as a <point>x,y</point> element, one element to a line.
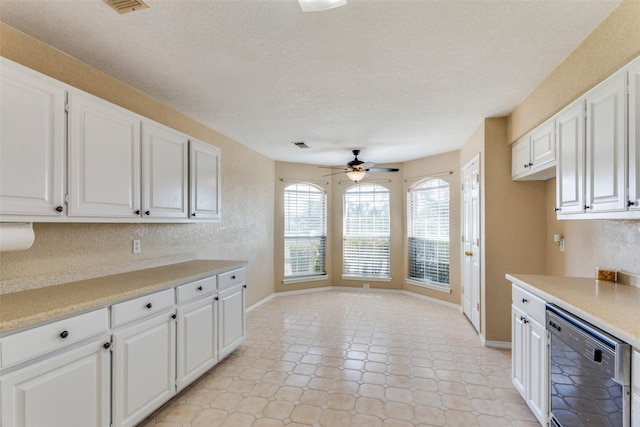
<point>467,253</point>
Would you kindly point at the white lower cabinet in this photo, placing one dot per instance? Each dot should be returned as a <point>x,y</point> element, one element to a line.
<point>231,319</point>
<point>530,352</point>
<point>197,334</point>
<point>71,389</point>
<point>143,368</point>
<point>635,389</point>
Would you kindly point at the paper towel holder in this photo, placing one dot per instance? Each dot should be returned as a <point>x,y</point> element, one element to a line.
<point>16,236</point>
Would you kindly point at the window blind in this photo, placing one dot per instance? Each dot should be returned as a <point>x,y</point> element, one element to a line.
<point>305,230</point>
<point>428,231</point>
<point>366,231</point>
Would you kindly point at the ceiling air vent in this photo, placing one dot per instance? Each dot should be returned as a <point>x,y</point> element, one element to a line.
<point>126,6</point>
<point>300,144</point>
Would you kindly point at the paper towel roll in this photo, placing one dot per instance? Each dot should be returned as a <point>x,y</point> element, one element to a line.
<point>16,237</point>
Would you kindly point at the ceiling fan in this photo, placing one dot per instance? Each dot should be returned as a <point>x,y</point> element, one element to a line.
<point>356,169</point>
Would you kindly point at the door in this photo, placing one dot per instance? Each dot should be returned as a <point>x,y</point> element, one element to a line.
<point>32,142</point>
<point>537,370</point>
<point>520,157</point>
<point>231,320</point>
<point>165,159</point>
<point>518,350</point>
<point>104,159</point>
<point>143,369</point>
<point>571,154</point>
<point>606,156</point>
<point>68,390</point>
<point>543,146</point>
<point>196,351</point>
<point>204,180</point>
<point>471,241</point>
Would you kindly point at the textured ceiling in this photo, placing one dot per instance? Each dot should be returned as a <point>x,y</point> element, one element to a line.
<point>399,79</point>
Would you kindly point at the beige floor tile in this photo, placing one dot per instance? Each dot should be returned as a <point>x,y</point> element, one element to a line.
<point>353,359</point>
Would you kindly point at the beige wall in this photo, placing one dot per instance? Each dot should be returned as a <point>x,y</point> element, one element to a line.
<point>246,229</point>
<point>589,243</point>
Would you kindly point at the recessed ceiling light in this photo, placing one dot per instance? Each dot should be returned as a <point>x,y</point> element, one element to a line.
<point>320,5</point>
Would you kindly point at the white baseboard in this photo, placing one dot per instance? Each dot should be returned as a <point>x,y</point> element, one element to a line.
<point>495,344</point>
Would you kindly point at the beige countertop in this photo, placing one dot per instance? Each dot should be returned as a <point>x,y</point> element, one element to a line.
<point>613,307</point>
<point>28,308</point>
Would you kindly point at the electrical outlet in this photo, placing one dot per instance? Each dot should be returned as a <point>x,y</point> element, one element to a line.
<point>607,275</point>
<point>136,247</point>
<point>365,285</point>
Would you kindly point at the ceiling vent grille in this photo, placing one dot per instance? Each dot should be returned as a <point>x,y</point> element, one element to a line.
<point>126,6</point>
<point>300,144</point>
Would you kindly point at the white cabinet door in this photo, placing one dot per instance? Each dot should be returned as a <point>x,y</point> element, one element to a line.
<point>204,180</point>
<point>143,368</point>
<point>520,157</point>
<point>606,156</point>
<point>518,350</point>
<point>104,159</point>
<point>32,142</point>
<point>634,137</point>
<point>570,162</point>
<point>165,159</point>
<point>231,320</point>
<point>197,346</point>
<point>68,390</point>
<point>537,370</point>
<point>543,146</point>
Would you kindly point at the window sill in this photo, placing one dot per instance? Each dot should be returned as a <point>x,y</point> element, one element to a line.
<point>440,288</point>
<point>367,278</point>
<point>303,279</point>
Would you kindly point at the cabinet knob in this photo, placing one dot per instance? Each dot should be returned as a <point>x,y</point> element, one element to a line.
<point>524,300</point>
<point>530,164</point>
<point>587,207</point>
<point>106,345</point>
<point>173,316</point>
<point>59,209</point>
<point>193,214</point>
<point>199,288</point>
<point>233,277</point>
<point>147,213</point>
<point>556,209</point>
<point>216,298</point>
<point>137,212</point>
<point>64,334</point>
<point>149,305</point>
<point>245,286</point>
<point>630,203</point>
<point>526,165</point>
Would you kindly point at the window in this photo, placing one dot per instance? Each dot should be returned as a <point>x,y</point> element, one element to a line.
<point>428,232</point>
<point>305,230</point>
<point>366,231</point>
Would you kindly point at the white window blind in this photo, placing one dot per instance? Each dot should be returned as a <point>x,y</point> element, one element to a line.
<point>305,230</point>
<point>428,231</point>
<point>366,231</point>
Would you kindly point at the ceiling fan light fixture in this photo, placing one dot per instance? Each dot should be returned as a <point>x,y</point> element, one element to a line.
<point>356,175</point>
<point>320,5</point>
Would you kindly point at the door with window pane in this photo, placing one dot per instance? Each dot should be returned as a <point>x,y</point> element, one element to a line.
<point>366,231</point>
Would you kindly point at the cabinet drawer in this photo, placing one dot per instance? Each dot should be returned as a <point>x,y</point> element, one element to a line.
<point>196,289</point>
<point>46,338</point>
<point>138,308</point>
<point>231,278</point>
<point>529,303</point>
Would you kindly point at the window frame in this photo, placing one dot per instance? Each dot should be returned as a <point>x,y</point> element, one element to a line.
<point>311,236</point>
<point>376,235</point>
<point>425,186</point>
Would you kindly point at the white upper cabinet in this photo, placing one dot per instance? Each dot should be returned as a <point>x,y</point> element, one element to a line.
<point>534,156</point>
<point>570,166</point>
<point>204,179</point>
<point>606,143</point>
<point>165,164</point>
<point>634,136</point>
<point>104,159</point>
<point>32,143</point>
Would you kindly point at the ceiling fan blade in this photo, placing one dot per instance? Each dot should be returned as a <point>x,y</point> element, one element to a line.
<point>336,173</point>
<point>383,170</point>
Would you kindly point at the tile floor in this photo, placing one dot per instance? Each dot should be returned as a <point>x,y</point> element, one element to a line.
<point>351,359</point>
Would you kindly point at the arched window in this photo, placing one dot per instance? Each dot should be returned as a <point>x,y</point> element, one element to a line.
<point>366,231</point>
<point>305,230</point>
<point>428,232</point>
